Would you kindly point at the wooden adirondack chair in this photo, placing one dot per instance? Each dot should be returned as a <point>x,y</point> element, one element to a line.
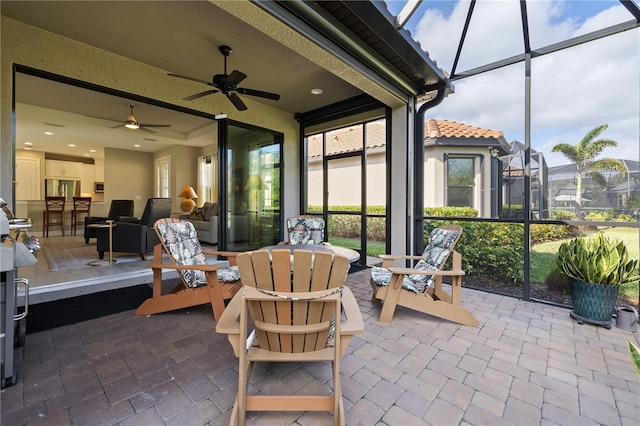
<point>305,229</point>
<point>420,287</point>
<point>200,283</point>
<point>291,302</point>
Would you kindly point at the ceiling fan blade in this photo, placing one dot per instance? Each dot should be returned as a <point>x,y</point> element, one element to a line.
<point>259,93</point>
<point>155,125</point>
<point>144,129</point>
<point>190,78</point>
<point>235,77</point>
<point>236,101</point>
<point>199,95</point>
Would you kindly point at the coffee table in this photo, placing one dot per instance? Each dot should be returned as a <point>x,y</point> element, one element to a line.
<point>350,254</point>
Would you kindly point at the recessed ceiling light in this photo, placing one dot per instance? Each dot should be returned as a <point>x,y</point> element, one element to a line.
<point>48,133</point>
<point>87,155</point>
<point>28,143</point>
<point>71,145</point>
<point>28,148</point>
<point>316,91</point>
<point>92,150</point>
<point>137,145</point>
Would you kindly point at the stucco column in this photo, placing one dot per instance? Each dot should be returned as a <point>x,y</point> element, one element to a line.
<point>401,140</point>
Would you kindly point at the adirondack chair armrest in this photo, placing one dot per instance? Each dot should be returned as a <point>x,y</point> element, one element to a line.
<point>410,271</point>
<point>229,322</point>
<point>204,268</point>
<point>230,255</point>
<point>448,273</point>
<point>353,323</point>
<point>389,259</point>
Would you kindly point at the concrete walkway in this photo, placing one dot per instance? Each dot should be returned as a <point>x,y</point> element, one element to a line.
<point>526,364</point>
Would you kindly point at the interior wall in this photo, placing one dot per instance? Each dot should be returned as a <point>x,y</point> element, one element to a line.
<point>32,47</point>
<point>184,171</point>
<point>130,177</point>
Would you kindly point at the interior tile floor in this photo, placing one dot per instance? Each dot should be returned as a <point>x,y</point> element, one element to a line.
<point>527,363</point>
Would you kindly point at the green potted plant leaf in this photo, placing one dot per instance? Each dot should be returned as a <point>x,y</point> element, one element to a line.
<point>635,356</point>
<point>596,268</point>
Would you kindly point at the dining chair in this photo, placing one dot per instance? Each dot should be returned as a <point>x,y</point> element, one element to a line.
<point>81,205</point>
<point>54,207</point>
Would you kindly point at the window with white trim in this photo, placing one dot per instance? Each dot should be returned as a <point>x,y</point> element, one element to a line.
<point>460,181</point>
<point>163,177</point>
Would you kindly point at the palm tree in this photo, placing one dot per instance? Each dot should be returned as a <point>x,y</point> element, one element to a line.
<point>584,155</point>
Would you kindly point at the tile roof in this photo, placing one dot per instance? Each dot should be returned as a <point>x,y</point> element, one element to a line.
<point>349,139</point>
<point>452,129</point>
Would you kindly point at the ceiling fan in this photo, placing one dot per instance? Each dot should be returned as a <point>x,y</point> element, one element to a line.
<point>228,84</point>
<point>132,123</point>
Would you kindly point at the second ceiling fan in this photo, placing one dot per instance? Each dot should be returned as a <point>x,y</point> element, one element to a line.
<point>228,84</point>
<point>132,123</point>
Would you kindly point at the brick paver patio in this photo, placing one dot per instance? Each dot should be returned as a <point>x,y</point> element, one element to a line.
<point>526,364</point>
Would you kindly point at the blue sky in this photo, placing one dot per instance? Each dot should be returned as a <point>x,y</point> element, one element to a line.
<point>573,90</point>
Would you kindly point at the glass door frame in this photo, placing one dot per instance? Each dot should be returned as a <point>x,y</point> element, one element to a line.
<point>223,173</point>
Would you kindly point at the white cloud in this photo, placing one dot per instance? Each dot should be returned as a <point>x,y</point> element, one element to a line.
<point>573,90</point>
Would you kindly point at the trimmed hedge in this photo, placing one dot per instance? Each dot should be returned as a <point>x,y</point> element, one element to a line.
<point>491,249</point>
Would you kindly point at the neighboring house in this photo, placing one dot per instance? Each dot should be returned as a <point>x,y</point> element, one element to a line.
<point>620,188</point>
<point>462,167</point>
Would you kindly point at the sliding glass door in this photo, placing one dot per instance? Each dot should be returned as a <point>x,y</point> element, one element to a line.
<point>253,187</point>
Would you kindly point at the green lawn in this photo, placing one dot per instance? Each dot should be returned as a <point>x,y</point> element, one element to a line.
<point>543,257</point>
<point>374,248</point>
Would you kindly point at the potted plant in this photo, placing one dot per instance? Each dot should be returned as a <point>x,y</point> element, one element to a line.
<point>596,268</point>
<point>635,356</point>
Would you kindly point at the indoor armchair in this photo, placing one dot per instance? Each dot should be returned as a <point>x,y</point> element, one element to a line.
<point>135,236</point>
<point>118,209</point>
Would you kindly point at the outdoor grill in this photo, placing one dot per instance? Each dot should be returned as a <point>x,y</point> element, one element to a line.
<point>16,250</point>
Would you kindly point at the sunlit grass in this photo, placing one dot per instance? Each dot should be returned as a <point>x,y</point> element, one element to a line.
<point>374,248</point>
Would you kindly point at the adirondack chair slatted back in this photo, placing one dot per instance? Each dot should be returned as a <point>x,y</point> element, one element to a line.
<point>439,247</point>
<point>306,230</point>
<point>301,321</point>
<point>180,242</point>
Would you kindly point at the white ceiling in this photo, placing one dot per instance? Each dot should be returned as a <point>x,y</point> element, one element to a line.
<point>178,37</point>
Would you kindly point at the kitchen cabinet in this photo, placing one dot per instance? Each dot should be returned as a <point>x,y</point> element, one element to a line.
<point>27,178</point>
<point>57,169</point>
<point>87,178</point>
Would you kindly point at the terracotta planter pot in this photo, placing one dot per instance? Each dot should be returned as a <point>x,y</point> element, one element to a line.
<point>593,303</point>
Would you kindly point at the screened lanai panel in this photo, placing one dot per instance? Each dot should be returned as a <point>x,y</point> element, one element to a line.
<point>566,108</point>
<point>552,22</point>
<point>315,181</point>
<point>486,111</point>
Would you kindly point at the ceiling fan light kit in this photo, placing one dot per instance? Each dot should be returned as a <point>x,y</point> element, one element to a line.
<point>133,124</point>
<point>228,85</point>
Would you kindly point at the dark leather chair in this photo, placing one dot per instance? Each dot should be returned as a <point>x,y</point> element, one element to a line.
<point>118,209</point>
<point>135,236</point>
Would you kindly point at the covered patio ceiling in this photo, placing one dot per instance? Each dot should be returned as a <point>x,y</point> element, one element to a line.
<point>346,49</point>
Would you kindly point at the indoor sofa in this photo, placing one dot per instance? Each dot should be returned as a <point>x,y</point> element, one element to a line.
<point>206,221</point>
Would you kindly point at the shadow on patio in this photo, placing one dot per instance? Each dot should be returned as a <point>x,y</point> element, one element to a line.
<point>527,363</point>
